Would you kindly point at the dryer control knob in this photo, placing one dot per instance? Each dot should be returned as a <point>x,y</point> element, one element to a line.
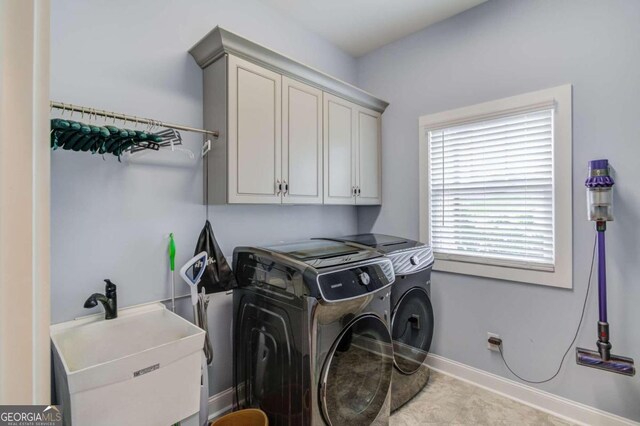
<point>365,279</point>
<point>414,260</point>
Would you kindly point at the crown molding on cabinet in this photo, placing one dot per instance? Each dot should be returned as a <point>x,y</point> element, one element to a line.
<point>220,42</point>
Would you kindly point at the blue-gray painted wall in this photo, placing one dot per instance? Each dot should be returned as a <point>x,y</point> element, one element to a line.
<point>111,220</point>
<point>499,49</point>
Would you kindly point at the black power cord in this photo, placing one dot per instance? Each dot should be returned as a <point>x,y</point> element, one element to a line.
<point>575,337</point>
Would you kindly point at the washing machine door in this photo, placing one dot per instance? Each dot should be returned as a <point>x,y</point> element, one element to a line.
<point>412,330</point>
<point>357,373</point>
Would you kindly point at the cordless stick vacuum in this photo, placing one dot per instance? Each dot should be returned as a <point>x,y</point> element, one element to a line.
<point>600,206</point>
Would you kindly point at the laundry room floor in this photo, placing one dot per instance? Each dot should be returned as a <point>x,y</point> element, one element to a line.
<point>449,401</point>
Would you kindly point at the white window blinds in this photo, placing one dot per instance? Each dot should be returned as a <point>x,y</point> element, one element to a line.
<point>491,191</point>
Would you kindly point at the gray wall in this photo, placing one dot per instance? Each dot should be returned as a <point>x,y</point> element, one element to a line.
<point>111,220</point>
<point>500,49</point>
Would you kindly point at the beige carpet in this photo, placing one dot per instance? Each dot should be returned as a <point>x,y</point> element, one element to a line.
<point>448,401</point>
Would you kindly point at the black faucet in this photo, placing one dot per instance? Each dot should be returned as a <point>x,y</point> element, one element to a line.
<point>109,300</point>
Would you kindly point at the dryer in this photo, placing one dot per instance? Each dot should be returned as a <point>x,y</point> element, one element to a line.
<point>312,340</point>
<point>412,312</point>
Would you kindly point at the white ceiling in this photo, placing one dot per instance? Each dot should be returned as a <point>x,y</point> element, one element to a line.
<point>360,26</point>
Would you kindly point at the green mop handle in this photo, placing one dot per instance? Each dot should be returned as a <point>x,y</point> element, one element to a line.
<point>172,267</point>
<point>172,253</point>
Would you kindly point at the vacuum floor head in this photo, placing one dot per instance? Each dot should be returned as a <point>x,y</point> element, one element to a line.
<point>615,363</point>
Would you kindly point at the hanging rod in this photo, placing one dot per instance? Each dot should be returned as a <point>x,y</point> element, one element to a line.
<point>131,118</point>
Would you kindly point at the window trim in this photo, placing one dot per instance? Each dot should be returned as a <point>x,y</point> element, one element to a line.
<point>560,99</point>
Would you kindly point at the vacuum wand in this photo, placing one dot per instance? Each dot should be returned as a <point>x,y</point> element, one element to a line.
<point>604,347</point>
<point>600,209</point>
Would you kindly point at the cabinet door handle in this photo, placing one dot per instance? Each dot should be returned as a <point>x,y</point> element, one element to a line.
<point>286,187</point>
<point>278,187</point>
<point>359,191</point>
<point>353,188</point>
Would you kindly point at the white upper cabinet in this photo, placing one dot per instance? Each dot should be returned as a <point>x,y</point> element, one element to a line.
<point>352,162</point>
<point>369,161</point>
<point>255,138</point>
<point>301,143</point>
<point>339,151</point>
<point>288,134</point>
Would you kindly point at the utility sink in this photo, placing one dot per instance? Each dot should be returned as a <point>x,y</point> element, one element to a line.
<point>141,368</point>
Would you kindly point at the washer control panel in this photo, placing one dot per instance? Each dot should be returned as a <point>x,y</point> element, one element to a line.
<point>355,281</point>
<point>412,260</point>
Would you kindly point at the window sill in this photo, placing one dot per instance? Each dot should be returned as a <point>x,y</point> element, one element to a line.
<point>560,277</point>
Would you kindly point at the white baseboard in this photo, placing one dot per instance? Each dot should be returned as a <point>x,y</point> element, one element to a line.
<point>220,403</point>
<point>541,400</point>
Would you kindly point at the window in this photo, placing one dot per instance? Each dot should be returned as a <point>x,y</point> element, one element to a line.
<point>495,188</point>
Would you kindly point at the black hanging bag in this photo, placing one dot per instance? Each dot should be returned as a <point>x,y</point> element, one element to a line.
<point>218,276</point>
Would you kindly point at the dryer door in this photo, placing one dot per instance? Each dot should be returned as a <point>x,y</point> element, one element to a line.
<point>357,373</point>
<point>412,330</point>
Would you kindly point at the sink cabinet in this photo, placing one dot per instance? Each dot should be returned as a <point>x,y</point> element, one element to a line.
<point>289,134</point>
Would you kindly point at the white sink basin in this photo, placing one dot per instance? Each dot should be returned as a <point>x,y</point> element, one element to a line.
<point>140,368</point>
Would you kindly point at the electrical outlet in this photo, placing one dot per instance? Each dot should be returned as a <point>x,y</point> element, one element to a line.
<point>491,347</point>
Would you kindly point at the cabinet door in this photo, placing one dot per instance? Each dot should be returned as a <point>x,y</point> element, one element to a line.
<point>254,133</point>
<point>369,162</point>
<point>301,143</point>
<point>339,150</point>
